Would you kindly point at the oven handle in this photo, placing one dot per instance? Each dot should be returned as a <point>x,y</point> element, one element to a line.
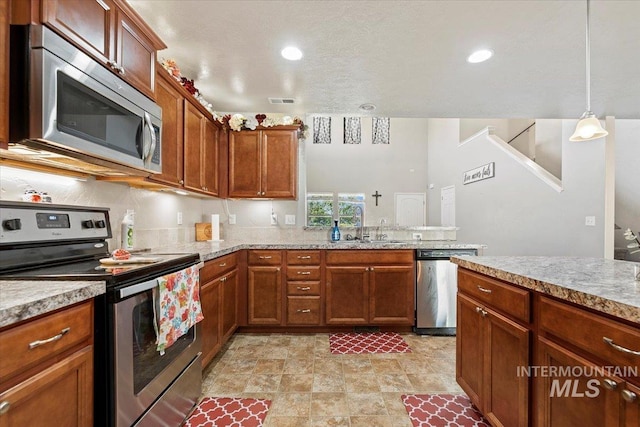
<point>144,286</point>
<point>138,288</point>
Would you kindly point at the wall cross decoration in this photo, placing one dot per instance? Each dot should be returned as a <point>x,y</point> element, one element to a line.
<point>376,195</point>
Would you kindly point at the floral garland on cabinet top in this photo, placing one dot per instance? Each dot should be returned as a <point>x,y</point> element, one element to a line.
<point>236,122</point>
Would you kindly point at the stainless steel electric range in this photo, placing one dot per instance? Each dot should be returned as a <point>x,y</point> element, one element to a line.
<point>134,383</point>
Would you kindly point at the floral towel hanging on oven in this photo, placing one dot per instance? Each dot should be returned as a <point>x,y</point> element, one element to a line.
<point>178,303</point>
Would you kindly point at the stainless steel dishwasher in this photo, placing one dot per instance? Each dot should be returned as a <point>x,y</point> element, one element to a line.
<point>436,288</point>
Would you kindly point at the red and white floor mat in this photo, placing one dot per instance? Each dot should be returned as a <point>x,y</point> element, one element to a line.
<point>366,343</point>
<point>228,411</point>
<point>442,410</point>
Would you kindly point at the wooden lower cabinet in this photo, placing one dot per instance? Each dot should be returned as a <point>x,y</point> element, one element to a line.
<point>347,293</point>
<point>219,297</point>
<point>265,295</point>
<point>631,396</point>
<point>46,369</point>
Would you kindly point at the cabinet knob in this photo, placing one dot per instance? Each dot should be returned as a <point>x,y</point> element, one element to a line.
<point>610,384</point>
<point>181,182</point>
<point>262,194</point>
<point>224,279</point>
<point>4,407</point>
<point>627,395</point>
<point>258,193</point>
<point>371,269</point>
<point>121,70</point>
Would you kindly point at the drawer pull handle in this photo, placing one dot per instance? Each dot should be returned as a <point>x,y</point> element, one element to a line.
<point>264,257</point>
<point>627,395</point>
<point>306,288</point>
<point>38,343</point>
<point>619,347</point>
<point>610,384</point>
<point>223,264</point>
<point>4,407</point>
<point>304,257</point>
<point>305,273</point>
<point>485,290</point>
<point>305,310</point>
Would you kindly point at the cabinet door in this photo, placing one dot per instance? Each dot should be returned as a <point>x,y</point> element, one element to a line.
<point>88,24</point>
<point>172,104</point>
<point>265,295</point>
<point>279,164</point>
<point>469,349</point>
<point>210,157</point>
<point>210,299</point>
<point>506,395</point>
<point>229,304</point>
<point>136,55</point>
<point>62,393</point>
<point>632,406</point>
<point>244,164</point>
<point>4,74</point>
<point>193,136</point>
<point>347,294</point>
<point>574,400</point>
<point>392,297</point>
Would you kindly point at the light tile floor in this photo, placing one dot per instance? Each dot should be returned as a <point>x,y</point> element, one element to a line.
<point>309,386</point>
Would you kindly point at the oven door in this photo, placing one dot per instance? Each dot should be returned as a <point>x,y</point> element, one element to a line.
<point>142,375</point>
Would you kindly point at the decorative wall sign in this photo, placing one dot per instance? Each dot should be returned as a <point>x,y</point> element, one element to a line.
<point>352,133</point>
<point>380,130</point>
<point>479,173</point>
<point>322,130</point>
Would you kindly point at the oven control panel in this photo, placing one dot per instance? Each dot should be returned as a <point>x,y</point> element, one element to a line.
<point>23,222</point>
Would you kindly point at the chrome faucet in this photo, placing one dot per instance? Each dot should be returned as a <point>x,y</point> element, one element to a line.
<point>358,219</point>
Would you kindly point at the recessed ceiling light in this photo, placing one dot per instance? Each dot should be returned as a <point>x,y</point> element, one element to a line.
<point>367,107</point>
<point>480,56</point>
<point>291,53</point>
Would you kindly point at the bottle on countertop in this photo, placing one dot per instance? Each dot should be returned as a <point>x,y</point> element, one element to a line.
<point>335,231</point>
<point>126,231</point>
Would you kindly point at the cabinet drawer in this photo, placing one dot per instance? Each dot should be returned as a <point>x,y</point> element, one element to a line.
<point>265,257</point>
<point>303,310</point>
<point>369,257</point>
<point>303,288</point>
<point>588,331</point>
<point>303,273</point>
<point>215,267</point>
<point>303,257</point>
<point>34,342</point>
<point>506,298</point>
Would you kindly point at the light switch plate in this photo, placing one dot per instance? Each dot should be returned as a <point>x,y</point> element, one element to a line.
<point>590,221</point>
<point>232,218</point>
<point>290,220</point>
<point>179,218</point>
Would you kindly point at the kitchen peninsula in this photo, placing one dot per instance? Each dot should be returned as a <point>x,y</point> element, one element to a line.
<point>519,313</point>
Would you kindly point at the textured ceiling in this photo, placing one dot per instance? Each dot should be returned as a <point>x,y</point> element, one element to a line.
<point>406,57</point>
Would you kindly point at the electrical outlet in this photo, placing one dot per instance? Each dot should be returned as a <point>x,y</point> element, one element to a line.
<point>274,218</point>
<point>179,218</point>
<point>416,236</point>
<point>232,218</point>
<point>290,219</point>
<point>590,221</point>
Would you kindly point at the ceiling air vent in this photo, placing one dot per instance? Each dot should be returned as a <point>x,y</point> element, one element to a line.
<point>282,101</point>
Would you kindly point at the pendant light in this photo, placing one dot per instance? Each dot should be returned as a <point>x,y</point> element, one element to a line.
<point>588,127</point>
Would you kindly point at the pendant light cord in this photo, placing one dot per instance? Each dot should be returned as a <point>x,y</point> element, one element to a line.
<point>588,63</point>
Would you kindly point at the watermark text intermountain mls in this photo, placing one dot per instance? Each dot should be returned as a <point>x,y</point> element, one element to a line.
<point>566,380</point>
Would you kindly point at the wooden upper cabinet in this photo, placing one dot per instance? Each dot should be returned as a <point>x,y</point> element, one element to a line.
<point>201,159</point>
<point>172,103</point>
<point>111,32</point>
<point>244,164</point>
<point>5,7</point>
<point>210,157</point>
<point>264,163</point>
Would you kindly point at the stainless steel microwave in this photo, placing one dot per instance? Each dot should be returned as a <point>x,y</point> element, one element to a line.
<point>64,102</point>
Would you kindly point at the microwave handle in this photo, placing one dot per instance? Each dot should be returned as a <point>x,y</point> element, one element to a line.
<point>149,149</point>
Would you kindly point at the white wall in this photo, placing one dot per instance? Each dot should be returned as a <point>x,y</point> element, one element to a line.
<point>627,209</point>
<point>515,213</point>
<point>397,167</point>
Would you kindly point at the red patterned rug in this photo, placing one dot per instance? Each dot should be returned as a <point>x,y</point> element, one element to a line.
<point>227,411</point>
<point>442,410</point>
<point>368,342</point>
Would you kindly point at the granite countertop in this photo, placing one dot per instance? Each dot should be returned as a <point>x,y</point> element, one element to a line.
<point>21,300</point>
<point>604,285</point>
